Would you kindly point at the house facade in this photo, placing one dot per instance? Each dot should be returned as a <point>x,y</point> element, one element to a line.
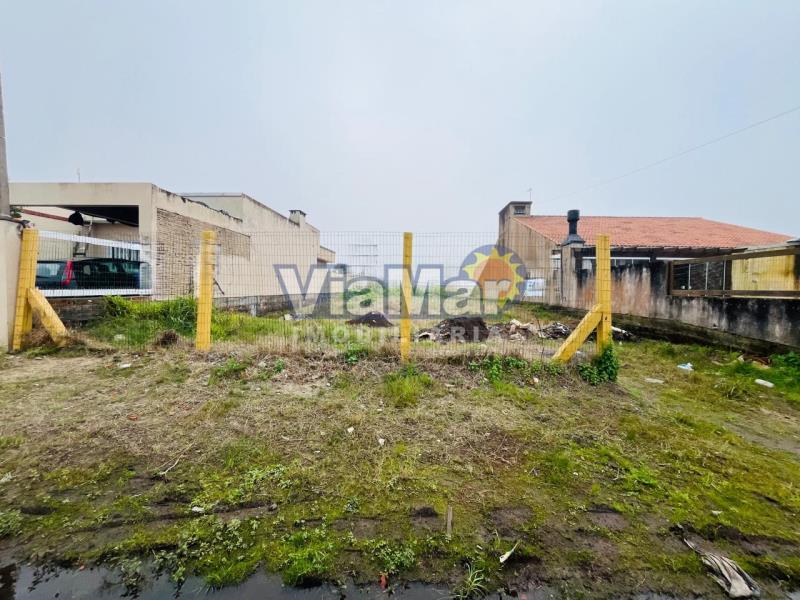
<point>553,248</point>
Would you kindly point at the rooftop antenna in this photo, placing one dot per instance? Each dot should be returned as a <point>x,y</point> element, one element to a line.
<point>530,195</point>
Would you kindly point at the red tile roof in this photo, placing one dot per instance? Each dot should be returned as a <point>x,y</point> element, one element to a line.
<point>656,232</point>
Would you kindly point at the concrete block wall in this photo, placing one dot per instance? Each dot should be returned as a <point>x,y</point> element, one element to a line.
<point>177,248</point>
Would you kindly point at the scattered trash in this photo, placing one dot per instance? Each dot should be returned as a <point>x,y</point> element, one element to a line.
<point>6,478</point>
<point>653,380</point>
<point>535,381</point>
<point>288,317</point>
<point>272,507</point>
<point>381,442</point>
<point>351,429</point>
<point>554,331</point>
<point>125,366</point>
<point>371,319</point>
<point>729,575</point>
<point>621,335</point>
<point>133,417</point>
<point>384,581</point>
<point>119,337</point>
<point>765,383</point>
<point>716,513</point>
<point>198,509</point>
<point>686,366</point>
<point>457,329</point>
<point>508,554</point>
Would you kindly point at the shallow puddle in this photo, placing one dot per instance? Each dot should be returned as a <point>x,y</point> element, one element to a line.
<point>21,582</point>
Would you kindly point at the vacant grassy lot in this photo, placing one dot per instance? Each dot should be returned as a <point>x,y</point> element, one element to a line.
<point>325,467</point>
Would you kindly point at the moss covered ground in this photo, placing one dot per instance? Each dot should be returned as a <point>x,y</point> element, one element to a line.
<point>326,467</point>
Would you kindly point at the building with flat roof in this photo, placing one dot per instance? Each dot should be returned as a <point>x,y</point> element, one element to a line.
<point>163,229</point>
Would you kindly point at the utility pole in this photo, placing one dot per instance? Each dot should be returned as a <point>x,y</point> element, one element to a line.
<point>5,200</point>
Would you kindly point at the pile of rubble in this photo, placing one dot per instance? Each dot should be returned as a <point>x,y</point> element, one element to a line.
<point>457,329</point>
<point>514,330</point>
<point>554,331</point>
<point>474,329</point>
<point>371,319</point>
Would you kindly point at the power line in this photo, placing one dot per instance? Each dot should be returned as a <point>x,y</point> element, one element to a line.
<point>677,154</point>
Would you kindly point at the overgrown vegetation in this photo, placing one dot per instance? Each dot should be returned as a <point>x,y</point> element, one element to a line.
<point>604,367</point>
<point>406,386</point>
<point>10,523</point>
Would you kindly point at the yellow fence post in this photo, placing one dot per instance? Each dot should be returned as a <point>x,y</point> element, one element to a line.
<point>599,316</point>
<point>23,315</point>
<point>47,317</point>
<point>603,290</point>
<point>405,299</point>
<point>205,298</point>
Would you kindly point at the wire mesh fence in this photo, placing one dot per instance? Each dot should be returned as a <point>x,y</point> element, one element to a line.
<point>312,292</point>
<point>766,273</point>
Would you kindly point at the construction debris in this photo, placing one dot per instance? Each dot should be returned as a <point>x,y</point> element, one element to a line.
<point>765,383</point>
<point>457,329</point>
<point>554,331</point>
<point>621,335</point>
<point>729,575</point>
<point>513,330</point>
<point>371,319</point>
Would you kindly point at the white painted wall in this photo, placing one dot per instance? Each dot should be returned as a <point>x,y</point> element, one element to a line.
<point>9,271</point>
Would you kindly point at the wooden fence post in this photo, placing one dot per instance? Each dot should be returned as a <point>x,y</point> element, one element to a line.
<point>603,289</point>
<point>205,300</point>
<point>599,317</point>
<point>405,299</point>
<point>23,315</point>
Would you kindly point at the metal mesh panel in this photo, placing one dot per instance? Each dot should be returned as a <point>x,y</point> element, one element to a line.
<point>308,291</point>
<point>766,273</point>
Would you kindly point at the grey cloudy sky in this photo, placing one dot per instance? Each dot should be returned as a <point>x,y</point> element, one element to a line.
<point>414,115</point>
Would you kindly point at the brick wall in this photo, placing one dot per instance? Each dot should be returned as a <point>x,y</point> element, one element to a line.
<point>177,247</point>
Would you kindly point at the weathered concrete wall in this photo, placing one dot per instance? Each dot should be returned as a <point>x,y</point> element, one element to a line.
<point>177,251</point>
<point>640,290</point>
<point>9,270</point>
<point>536,251</point>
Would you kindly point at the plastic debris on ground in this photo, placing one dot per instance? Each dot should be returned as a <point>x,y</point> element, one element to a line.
<point>653,380</point>
<point>686,367</point>
<point>729,575</point>
<point>765,383</point>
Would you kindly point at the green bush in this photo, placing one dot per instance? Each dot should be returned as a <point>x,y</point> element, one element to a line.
<point>603,368</point>
<point>496,367</point>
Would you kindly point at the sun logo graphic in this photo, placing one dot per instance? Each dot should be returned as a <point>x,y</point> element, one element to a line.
<point>498,271</point>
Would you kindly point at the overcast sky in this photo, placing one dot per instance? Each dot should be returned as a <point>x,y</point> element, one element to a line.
<point>427,116</point>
